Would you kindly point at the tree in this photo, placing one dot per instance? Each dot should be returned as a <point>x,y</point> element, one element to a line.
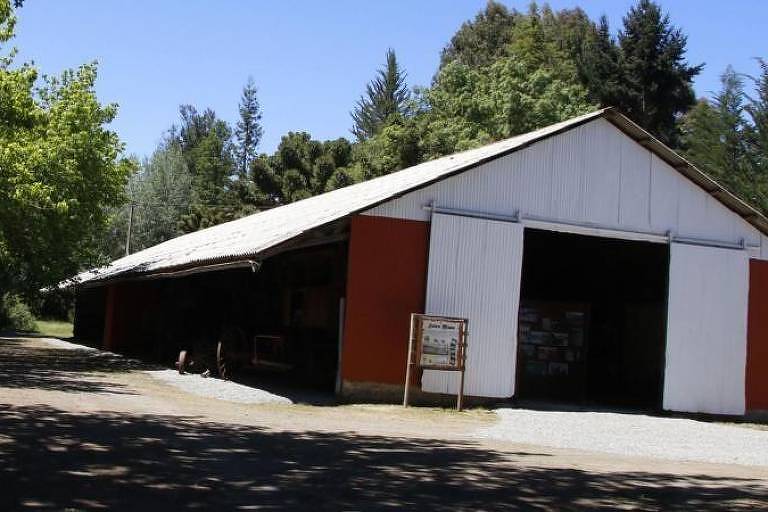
<point>715,136</point>
<point>205,142</point>
<point>397,145</point>
<point>159,194</point>
<point>656,77</point>
<point>757,109</point>
<point>302,167</point>
<point>470,107</point>
<point>385,96</point>
<point>514,82</point>
<point>61,170</point>
<point>599,67</point>
<point>248,131</point>
<point>482,41</point>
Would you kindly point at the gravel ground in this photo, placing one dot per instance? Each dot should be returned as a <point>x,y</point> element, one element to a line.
<point>633,435</point>
<point>193,383</point>
<point>675,439</point>
<point>57,343</point>
<point>217,388</point>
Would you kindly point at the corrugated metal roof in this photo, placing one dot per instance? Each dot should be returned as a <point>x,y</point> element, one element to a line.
<point>251,236</point>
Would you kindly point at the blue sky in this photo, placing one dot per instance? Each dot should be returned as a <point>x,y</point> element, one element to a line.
<point>310,60</point>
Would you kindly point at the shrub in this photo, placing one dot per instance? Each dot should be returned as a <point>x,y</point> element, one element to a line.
<point>15,314</point>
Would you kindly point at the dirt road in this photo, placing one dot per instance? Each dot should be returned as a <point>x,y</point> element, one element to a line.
<point>81,430</point>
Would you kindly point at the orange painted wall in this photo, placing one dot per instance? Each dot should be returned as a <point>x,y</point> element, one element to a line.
<point>757,337</point>
<point>125,305</point>
<point>386,282</point>
<point>111,322</point>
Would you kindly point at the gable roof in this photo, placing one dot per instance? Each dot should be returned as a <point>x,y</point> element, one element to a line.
<point>249,237</point>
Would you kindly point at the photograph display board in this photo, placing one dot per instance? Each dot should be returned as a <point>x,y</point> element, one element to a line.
<point>552,349</point>
<point>437,343</point>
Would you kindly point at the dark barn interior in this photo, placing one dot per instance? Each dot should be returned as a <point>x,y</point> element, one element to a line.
<point>592,320</point>
<point>278,321</point>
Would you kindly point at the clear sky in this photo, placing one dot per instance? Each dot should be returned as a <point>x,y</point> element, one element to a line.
<point>310,59</point>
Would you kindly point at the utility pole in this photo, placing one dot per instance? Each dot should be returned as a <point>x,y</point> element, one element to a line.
<point>128,235</point>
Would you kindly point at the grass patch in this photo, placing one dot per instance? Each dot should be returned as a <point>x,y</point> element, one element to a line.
<point>54,328</point>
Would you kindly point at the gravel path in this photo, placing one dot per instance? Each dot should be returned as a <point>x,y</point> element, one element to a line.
<point>66,345</point>
<point>633,435</point>
<point>217,388</point>
<point>191,383</point>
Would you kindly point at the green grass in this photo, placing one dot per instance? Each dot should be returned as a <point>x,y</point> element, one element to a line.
<point>54,328</point>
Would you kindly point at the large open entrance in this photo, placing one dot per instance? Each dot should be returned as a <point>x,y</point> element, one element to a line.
<point>278,323</point>
<point>592,320</point>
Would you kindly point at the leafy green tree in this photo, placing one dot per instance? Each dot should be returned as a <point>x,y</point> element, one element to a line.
<point>516,81</point>
<point>159,195</point>
<point>470,107</point>
<point>396,146</point>
<point>387,95</point>
<point>485,39</point>
<point>302,167</point>
<point>656,77</point>
<point>61,169</point>
<point>248,130</point>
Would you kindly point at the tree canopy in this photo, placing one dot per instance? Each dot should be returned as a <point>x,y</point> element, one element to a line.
<point>60,169</point>
<point>657,81</point>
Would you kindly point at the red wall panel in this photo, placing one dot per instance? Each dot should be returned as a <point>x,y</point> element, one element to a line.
<point>757,337</point>
<point>126,303</point>
<point>386,282</point>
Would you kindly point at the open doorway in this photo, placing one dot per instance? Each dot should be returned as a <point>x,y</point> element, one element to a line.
<point>274,326</point>
<point>592,320</point>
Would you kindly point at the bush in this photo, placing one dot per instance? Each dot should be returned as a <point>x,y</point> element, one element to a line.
<point>15,314</point>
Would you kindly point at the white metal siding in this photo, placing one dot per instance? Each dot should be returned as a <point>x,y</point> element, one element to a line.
<point>592,174</point>
<point>474,272</point>
<point>707,330</point>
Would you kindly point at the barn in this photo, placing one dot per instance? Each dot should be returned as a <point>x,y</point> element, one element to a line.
<point>595,266</point>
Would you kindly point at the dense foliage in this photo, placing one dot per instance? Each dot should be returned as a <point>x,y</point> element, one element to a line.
<point>727,136</point>
<point>60,169</point>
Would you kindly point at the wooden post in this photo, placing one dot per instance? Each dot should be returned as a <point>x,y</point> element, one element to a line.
<point>460,396</point>
<point>406,393</point>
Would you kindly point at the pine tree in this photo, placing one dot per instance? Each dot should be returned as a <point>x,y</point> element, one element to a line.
<point>757,108</point>
<point>713,136</point>
<point>599,67</point>
<point>385,96</point>
<point>248,130</point>
<point>658,80</point>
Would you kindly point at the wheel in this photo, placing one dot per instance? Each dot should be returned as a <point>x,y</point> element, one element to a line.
<point>183,362</point>
<point>221,361</point>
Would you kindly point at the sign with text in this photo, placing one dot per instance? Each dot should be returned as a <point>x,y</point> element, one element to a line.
<point>440,342</point>
<point>437,343</point>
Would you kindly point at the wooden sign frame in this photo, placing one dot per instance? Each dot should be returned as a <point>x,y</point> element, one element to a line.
<point>416,345</point>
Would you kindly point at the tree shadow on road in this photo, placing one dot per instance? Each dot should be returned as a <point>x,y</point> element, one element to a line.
<point>26,365</point>
<point>53,459</point>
